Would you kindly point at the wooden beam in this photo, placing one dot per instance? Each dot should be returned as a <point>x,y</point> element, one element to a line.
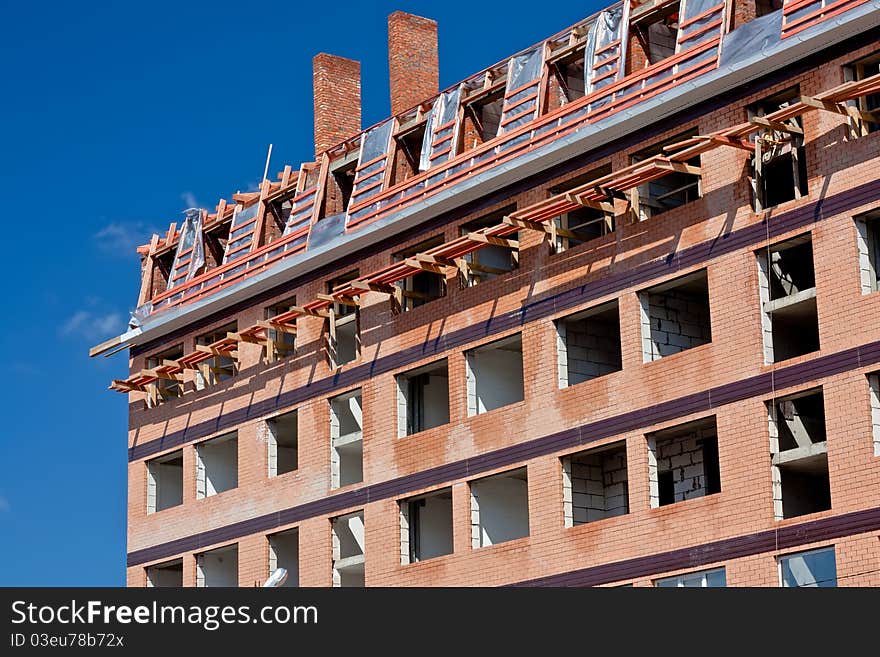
<point>244,338</point>
<point>281,328</point>
<point>372,287</point>
<point>775,125</point>
<point>343,300</point>
<point>840,108</point>
<point>230,353</point>
<point>426,266</point>
<point>434,260</point>
<point>549,228</point>
<point>679,167</point>
<point>161,375</point>
<point>307,311</point>
<point>494,241</point>
<point>601,206</point>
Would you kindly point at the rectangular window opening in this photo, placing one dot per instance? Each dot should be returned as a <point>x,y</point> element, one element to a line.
<point>348,550</point>
<point>217,465</point>
<point>482,118</point>
<point>490,260</point>
<point>653,36</point>
<point>811,569</point>
<point>799,455</point>
<point>425,286</point>
<point>283,343</point>
<point>494,375</point>
<point>595,485</point>
<point>779,164</point>
<point>499,508</point>
<point>218,368</point>
<point>588,344</point>
<point>426,526</point>
<point>343,327</point>
<point>166,575</point>
<point>870,104</point>
<point>284,553</point>
<point>346,440</point>
<point>672,190</point>
<point>165,482</point>
<point>423,398</point>
<point>218,567</point>
<point>683,462</point>
<point>168,386</point>
<point>789,317</point>
<point>282,440</point>
<point>702,579</point>
<point>675,316</point>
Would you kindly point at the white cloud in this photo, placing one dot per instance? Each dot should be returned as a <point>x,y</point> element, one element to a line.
<point>189,200</point>
<point>92,325</point>
<point>121,239</point>
<point>4,504</point>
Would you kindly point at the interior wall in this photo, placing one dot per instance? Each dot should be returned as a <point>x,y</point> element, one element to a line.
<point>219,567</point>
<point>349,532</point>
<point>219,461</point>
<point>498,378</point>
<point>501,509</point>
<point>285,554</point>
<point>673,321</point>
<point>168,481</point>
<point>598,486</point>
<point>169,576</point>
<point>435,526</point>
<point>592,347</point>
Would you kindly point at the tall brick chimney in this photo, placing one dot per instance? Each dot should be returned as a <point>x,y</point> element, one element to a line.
<point>337,91</point>
<point>412,60</point>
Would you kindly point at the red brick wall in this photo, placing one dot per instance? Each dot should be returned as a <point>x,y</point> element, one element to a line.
<point>744,505</point>
<point>337,91</point>
<point>412,60</point>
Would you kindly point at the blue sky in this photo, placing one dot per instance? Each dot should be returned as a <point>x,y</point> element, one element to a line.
<point>116,117</point>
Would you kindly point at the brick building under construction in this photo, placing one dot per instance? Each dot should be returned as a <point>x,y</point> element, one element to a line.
<point>605,313</point>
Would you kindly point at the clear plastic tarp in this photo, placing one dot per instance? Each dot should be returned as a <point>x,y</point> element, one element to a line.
<point>190,254</point>
<point>521,93</point>
<point>241,231</point>
<point>751,38</point>
<point>372,161</point>
<point>441,134</point>
<point>604,52</point>
<point>327,230</point>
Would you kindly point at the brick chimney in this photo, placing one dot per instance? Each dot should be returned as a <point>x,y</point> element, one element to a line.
<point>337,90</point>
<point>412,60</point>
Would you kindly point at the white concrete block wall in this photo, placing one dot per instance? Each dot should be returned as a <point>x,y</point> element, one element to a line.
<point>653,482</point>
<point>587,348</point>
<point>404,533</point>
<point>766,318</point>
<point>684,457</point>
<point>673,321</point>
<point>402,416</point>
<point>874,391</point>
<point>681,455</point>
<point>869,253</point>
<point>598,486</point>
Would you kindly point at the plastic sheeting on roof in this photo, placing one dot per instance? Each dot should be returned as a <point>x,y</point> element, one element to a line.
<point>241,231</point>
<point>521,92</point>
<point>752,37</point>
<point>441,133</point>
<point>190,254</point>
<point>605,51</point>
